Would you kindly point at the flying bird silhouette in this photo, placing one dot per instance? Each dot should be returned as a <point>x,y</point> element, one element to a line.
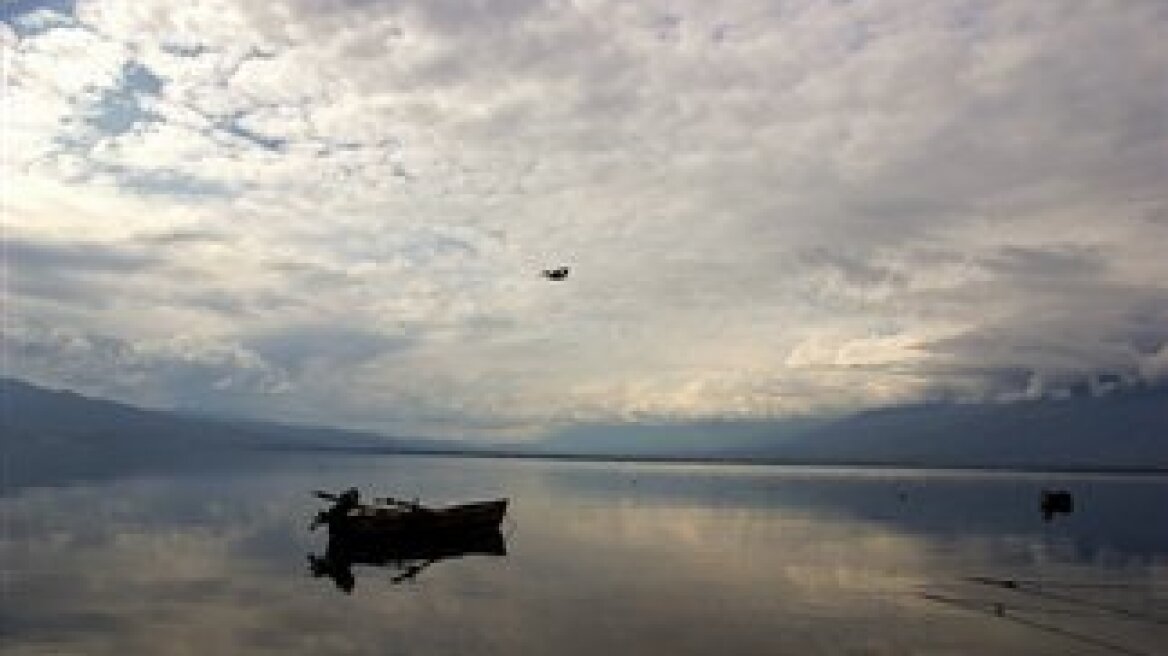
<point>556,274</point>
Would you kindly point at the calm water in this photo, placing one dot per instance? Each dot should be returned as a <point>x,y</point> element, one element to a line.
<point>602,559</point>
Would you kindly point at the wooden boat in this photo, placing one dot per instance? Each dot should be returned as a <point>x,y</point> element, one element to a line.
<point>405,520</point>
<point>414,521</point>
<point>402,535</point>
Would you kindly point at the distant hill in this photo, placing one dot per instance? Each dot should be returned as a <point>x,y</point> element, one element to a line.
<point>1124,429</point>
<point>49,435</point>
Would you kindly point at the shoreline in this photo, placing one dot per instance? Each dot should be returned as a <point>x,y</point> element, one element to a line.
<point>1021,468</point>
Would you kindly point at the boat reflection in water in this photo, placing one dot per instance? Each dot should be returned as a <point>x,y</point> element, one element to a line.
<point>402,536</point>
<point>406,558</point>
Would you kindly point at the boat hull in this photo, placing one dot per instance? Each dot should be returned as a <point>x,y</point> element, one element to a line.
<point>421,524</point>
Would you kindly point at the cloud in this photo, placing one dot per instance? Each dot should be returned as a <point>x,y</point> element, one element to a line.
<point>155,372</point>
<point>768,208</point>
<point>27,255</point>
<point>295,348</point>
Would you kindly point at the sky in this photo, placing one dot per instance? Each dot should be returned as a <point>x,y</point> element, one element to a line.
<point>336,211</point>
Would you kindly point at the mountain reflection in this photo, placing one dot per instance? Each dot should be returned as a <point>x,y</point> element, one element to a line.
<point>405,559</point>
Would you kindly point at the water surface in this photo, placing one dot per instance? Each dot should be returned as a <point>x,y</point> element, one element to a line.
<point>616,558</point>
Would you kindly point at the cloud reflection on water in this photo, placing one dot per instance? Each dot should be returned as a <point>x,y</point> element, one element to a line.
<point>196,565</point>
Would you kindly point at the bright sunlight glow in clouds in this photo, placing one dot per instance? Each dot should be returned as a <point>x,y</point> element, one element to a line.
<point>336,211</point>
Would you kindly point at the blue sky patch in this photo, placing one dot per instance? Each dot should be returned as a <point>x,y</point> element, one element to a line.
<point>119,109</point>
<point>34,17</point>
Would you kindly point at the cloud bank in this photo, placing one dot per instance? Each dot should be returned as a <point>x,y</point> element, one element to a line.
<point>336,211</point>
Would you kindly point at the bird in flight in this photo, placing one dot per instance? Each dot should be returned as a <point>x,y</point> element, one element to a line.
<point>556,274</point>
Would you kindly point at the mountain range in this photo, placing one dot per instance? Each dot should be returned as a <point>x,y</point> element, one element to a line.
<point>1125,429</point>
<point>49,435</point>
<point>52,434</point>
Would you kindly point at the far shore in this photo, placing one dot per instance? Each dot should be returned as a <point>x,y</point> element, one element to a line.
<point>1016,468</point>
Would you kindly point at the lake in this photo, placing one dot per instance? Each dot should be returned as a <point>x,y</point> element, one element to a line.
<point>601,558</point>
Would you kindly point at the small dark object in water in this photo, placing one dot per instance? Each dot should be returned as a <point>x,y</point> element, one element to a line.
<point>1056,502</point>
<point>556,274</point>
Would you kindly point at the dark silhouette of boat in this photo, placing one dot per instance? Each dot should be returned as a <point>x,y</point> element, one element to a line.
<point>559,273</point>
<point>402,535</point>
<point>390,518</point>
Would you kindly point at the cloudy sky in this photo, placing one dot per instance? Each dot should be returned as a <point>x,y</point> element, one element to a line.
<point>335,211</point>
